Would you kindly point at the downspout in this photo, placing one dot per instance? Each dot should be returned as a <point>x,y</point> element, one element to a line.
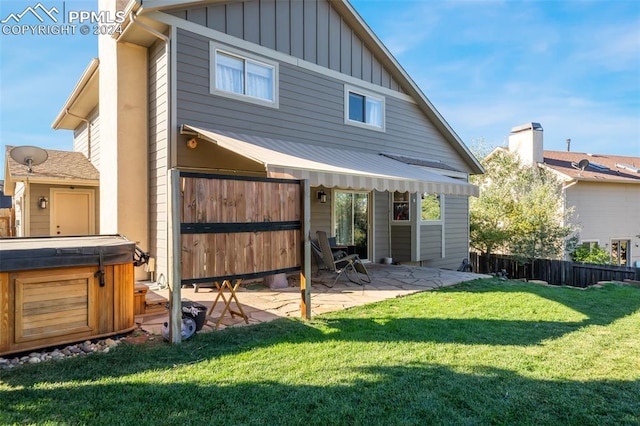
<point>88,123</point>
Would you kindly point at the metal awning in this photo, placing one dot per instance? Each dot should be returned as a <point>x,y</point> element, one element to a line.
<point>333,167</point>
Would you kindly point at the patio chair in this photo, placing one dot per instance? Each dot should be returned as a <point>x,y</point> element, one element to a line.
<point>349,265</point>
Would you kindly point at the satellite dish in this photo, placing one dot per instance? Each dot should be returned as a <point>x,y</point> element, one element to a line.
<point>29,156</point>
<point>583,164</point>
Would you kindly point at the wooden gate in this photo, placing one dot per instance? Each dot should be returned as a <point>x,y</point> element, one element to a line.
<point>239,227</point>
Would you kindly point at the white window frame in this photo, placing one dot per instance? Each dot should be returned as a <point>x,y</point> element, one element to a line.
<point>395,221</point>
<point>215,48</point>
<point>367,95</point>
<point>436,221</point>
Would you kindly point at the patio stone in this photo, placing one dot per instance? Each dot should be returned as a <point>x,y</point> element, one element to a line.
<point>262,304</point>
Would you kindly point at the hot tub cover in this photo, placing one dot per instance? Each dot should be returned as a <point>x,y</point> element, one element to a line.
<point>26,253</point>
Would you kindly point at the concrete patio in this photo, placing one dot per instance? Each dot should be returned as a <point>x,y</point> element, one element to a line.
<point>262,304</point>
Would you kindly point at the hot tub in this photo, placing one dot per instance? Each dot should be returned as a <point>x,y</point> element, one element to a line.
<point>59,290</point>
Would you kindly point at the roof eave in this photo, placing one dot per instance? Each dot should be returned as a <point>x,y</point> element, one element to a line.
<point>350,14</point>
<point>82,100</point>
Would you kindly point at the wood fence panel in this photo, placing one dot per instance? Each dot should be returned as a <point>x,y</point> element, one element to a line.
<point>557,272</point>
<point>239,226</point>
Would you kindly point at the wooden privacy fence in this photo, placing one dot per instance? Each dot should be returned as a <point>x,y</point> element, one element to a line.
<point>558,272</point>
<point>239,227</point>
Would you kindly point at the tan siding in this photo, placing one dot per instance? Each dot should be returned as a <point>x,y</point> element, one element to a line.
<point>607,211</point>
<point>430,242</point>
<point>80,138</point>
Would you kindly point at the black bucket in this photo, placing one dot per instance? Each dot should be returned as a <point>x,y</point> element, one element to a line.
<point>195,311</point>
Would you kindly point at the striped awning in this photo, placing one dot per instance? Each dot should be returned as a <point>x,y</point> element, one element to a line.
<point>333,167</point>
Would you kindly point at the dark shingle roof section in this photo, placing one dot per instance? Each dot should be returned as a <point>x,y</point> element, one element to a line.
<point>422,162</point>
<point>60,165</point>
<point>601,167</point>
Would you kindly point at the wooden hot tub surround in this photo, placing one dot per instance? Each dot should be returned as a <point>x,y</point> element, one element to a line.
<point>60,290</point>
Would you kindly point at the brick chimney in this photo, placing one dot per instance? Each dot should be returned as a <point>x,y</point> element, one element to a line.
<point>526,141</point>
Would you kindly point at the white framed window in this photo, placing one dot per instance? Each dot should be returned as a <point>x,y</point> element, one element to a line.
<point>431,208</point>
<point>238,76</point>
<point>401,207</point>
<point>364,109</point>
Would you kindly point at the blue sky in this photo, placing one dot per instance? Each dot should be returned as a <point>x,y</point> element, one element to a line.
<point>487,66</point>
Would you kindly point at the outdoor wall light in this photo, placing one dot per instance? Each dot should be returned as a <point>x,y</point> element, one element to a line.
<point>321,196</point>
<point>192,143</point>
<point>42,202</point>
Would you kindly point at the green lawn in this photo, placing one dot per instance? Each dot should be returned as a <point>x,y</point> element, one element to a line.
<point>484,352</point>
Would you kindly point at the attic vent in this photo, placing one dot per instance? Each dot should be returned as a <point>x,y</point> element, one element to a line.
<point>628,167</point>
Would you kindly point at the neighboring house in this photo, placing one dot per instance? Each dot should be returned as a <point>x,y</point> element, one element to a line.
<point>290,88</point>
<point>604,191</point>
<point>7,213</point>
<point>58,197</point>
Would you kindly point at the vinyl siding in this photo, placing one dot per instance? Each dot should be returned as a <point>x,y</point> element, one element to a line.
<point>456,234</point>
<point>306,29</point>
<point>158,155</point>
<point>401,243</point>
<point>430,242</point>
<point>618,203</point>
<point>80,138</point>
<point>311,110</point>
<point>381,216</point>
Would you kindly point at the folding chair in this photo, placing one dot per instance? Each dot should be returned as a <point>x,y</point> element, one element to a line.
<point>350,265</point>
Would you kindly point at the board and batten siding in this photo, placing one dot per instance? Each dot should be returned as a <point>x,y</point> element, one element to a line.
<point>311,110</point>
<point>81,142</point>
<point>158,155</point>
<point>310,30</point>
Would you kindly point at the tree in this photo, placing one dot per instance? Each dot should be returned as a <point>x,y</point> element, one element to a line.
<point>594,254</point>
<point>519,211</point>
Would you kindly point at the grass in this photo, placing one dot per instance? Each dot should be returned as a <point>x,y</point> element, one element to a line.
<point>484,352</point>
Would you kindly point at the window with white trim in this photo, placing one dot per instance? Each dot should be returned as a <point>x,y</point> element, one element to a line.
<point>401,207</point>
<point>240,77</point>
<point>431,208</point>
<point>364,109</point>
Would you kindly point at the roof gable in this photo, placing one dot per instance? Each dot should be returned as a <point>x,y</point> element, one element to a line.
<point>61,167</point>
<point>329,33</point>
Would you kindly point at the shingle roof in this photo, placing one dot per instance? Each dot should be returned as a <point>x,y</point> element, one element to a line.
<point>601,167</point>
<point>60,165</point>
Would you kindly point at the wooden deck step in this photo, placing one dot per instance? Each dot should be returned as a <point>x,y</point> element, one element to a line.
<point>155,303</point>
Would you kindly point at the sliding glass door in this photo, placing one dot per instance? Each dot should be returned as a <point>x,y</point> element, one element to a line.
<point>351,220</point>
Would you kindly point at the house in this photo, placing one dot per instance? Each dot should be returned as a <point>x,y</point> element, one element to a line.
<point>7,214</point>
<point>57,197</point>
<point>604,191</point>
<point>289,88</point>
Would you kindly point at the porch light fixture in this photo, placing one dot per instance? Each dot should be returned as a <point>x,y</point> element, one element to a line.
<point>42,202</point>
<point>321,196</point>
<point>192,143</point>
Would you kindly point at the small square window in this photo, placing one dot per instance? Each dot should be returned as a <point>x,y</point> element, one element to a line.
<point>401,206</point>
<point>431,207</point>
<point>364,110</point>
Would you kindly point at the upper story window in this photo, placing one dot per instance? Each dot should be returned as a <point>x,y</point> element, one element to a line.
<point>244,78</point>
<point>431,207</point>
<point>364,109</point>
